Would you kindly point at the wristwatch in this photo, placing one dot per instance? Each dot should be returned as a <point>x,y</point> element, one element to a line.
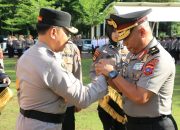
<point>113,74</point>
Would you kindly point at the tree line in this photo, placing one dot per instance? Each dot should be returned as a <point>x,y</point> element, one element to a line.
<point>20,16</point>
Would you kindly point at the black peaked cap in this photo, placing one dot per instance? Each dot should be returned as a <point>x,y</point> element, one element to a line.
<point>123,23</point>
<point>56,18</point>
<point>130,17</point>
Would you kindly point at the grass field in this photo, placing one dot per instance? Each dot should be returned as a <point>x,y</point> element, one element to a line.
<point>87,119</point>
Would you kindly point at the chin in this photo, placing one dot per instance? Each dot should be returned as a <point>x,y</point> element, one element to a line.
<point>58,50</point>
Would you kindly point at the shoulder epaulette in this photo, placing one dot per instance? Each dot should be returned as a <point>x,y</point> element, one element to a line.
<point>153,50</point>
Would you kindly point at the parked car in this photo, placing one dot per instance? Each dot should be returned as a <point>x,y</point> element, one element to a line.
<point>87,46</point>
<point>3,44</point>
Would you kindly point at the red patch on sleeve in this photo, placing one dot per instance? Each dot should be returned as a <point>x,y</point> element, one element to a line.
<point>149,67</point>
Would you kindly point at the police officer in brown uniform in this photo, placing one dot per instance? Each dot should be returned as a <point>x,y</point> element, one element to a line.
<point>147,79</point>
<point>110,107</point>
<point>45,86</point>
<point>71,62</point>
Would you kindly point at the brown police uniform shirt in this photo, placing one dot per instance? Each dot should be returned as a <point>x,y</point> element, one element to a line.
<point>44,85</point>
<point>152,69</point>
<point>72,60</point>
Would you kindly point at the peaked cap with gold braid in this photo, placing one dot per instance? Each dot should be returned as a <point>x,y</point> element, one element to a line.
<point>124,23</point>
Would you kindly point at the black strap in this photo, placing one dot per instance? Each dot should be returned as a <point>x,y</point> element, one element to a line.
<point>42,116</point>
<point>146,119</point>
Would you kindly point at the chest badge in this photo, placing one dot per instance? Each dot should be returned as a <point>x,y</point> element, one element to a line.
<point>138,66</point>
<point>149,68</point>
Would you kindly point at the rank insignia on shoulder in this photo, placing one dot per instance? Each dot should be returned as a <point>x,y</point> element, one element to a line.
<point>96,54</point>
<point>153,50</point>
<point>149,67</point>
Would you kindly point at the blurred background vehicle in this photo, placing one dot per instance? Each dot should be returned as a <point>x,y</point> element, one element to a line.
<point>87,45</point>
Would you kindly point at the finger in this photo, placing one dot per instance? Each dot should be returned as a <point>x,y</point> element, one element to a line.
<point>101,61</point>
<point>9,81</point>
<point>98,65</point>
<point>98,71</point>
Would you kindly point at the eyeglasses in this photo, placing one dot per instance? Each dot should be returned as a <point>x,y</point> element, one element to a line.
<point>67,32</point>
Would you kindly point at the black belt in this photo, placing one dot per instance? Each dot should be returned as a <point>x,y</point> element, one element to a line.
<point>146,119</point>
<point>42,116</point>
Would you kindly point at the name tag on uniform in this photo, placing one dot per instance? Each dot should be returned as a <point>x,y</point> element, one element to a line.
<point>138,66</point>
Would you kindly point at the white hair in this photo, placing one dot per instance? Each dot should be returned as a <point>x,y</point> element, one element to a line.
<point>145,25</point>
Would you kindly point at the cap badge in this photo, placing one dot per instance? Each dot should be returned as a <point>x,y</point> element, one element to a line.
<point>39,18</point>
<point>112,23</point>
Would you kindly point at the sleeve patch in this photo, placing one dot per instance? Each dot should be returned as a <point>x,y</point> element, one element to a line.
<point>96,54</point>
<point>149,68</point>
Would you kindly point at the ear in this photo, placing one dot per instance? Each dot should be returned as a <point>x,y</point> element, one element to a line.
<point>53,33</point>
<point>142,32</point>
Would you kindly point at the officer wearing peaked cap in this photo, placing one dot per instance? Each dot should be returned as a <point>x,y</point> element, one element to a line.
<point>110,109</point>
<point>146,81</point>
<point>44,87</point>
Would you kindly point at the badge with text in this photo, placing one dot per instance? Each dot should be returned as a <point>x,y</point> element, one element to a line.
<point>138,66</point>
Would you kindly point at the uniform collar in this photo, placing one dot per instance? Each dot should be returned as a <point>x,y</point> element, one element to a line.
<point>57,55</point>
<point>152,43</point>
<point>145,51</point>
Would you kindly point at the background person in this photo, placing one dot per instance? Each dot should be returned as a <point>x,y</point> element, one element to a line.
<point>10,47</point>
<point>20,43</point>
<point>109,108</point>
<point>5,92</point>
<point>29,42</point>
<point>147,79</point>
<point>79,42</point>
<point>71,62</point>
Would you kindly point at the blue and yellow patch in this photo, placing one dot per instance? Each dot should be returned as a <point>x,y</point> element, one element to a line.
<point>149,68</point>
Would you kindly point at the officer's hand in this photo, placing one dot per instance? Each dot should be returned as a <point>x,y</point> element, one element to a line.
<point>110,61</point>
<point>103,67</point>
<point>7,80</point>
